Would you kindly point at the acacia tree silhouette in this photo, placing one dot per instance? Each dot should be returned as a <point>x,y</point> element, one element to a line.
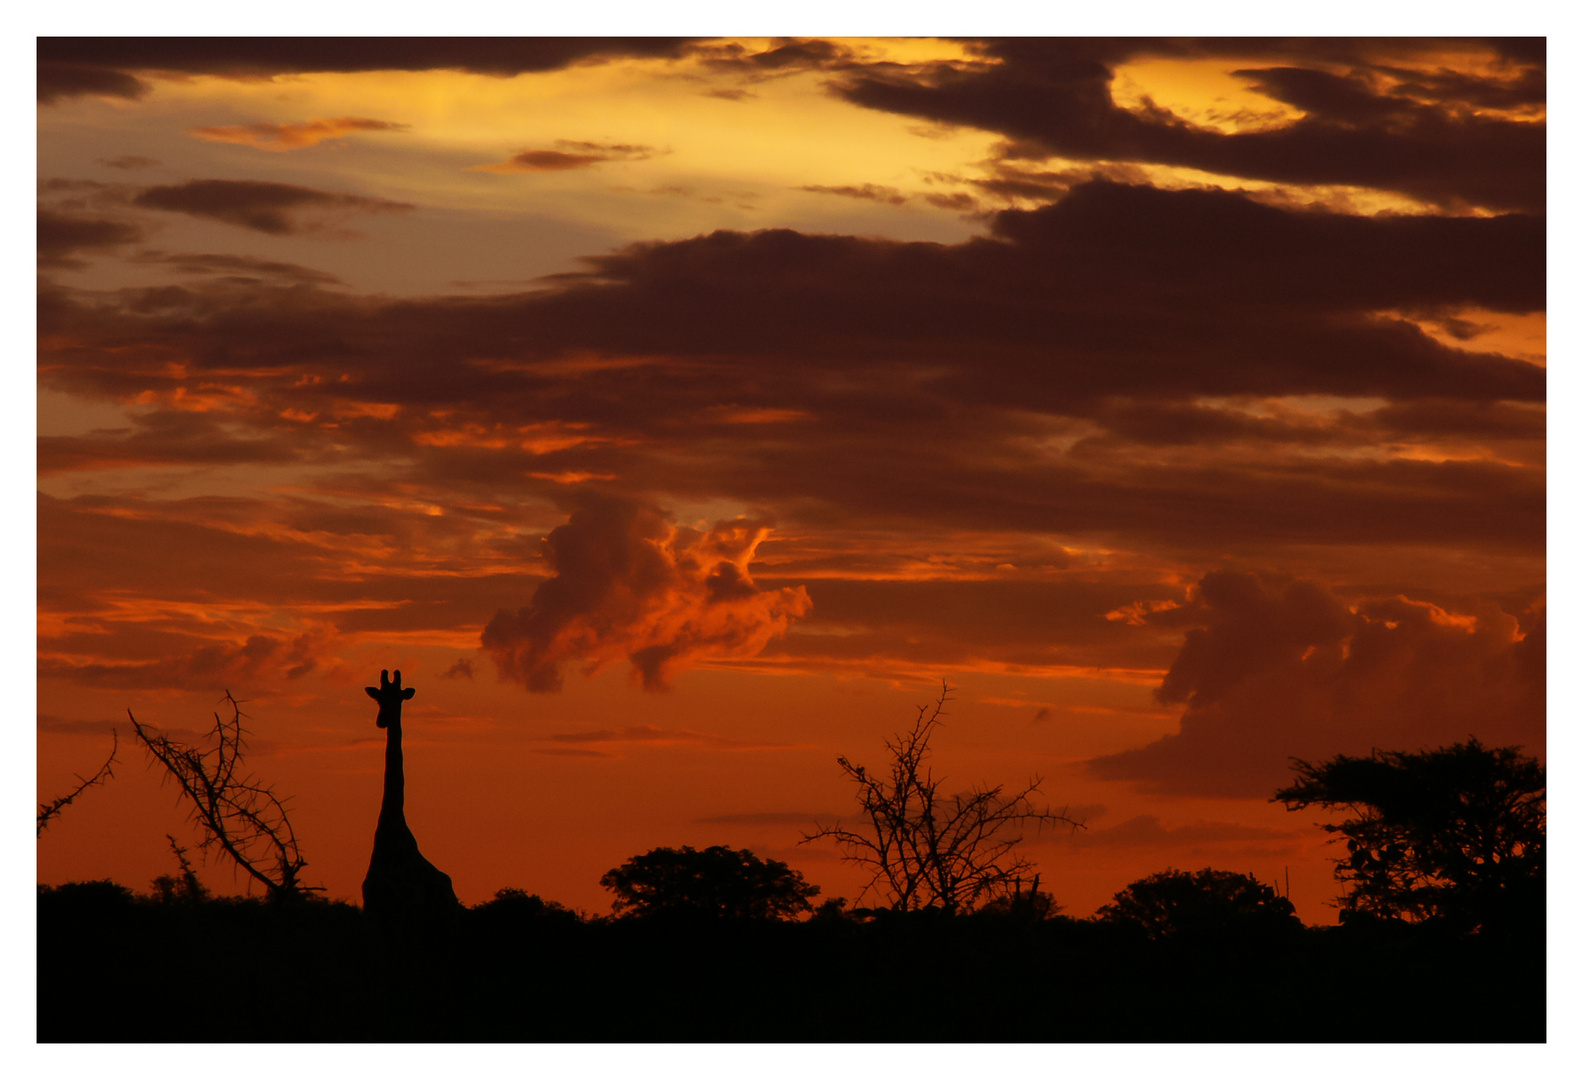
<point>240,816</point>
<point>48,812</point>
<point>717,882</point>
<point>930,851</point>
<point>1455,834</point>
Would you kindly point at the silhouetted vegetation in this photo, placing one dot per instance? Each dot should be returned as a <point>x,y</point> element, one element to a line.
<point>717,882</point>
<point>184,887</point>
<point>1454,834</point>
<point>926,850</point>
<point>1203,956</point>
<point>235,814</point>
<point>1204,904</point>
<point>114,967</point>
<point>47,812</point>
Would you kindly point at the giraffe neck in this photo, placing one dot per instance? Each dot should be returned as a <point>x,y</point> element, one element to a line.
<point>392,810</point>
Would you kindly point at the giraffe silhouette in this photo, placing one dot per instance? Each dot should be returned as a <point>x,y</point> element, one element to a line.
<point>402,886</point>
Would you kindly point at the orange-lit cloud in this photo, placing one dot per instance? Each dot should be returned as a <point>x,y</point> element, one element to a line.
<point>282,137</point>
<point>630,584</point>
<point>569,154</point>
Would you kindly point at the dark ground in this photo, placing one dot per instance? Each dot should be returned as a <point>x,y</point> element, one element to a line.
<point>114,968</point>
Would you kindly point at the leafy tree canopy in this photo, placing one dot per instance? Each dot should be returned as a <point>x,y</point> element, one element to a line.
<point>1180,904</point>
<point>717,882</point>
<point>1455,834</point>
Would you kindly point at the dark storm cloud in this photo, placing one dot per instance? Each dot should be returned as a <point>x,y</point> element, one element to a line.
<point>629,584</point>
<point>1048,379</point>
<point>1290,671</point>
<point>259,205</point>
<point>70,67</point>
<point>1053,97</point>
<point>1114,290</point>
<point>61,237</point>
<point>59,81</point>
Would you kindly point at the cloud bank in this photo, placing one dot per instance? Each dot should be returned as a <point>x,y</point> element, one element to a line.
<point>1275,672</point>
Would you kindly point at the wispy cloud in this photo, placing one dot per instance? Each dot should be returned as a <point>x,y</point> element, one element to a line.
<point>568,154</point>
<point>283,137</point>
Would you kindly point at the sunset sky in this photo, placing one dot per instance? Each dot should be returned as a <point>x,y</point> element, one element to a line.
<point>677,414</point>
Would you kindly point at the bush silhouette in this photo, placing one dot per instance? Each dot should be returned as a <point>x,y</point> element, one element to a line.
<point>516,907</point>
<point>718,882</point>
<point>1201,904</point>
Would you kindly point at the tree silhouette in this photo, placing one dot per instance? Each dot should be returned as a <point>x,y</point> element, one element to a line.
<point>49,811</point>
<point>236,814</point>
<point>1455,834</point>
<point>1203,903</point>
<point>718,882</point>
<point>926,850</point>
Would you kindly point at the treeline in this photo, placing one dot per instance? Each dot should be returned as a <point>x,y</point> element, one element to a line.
<point>114,967</point>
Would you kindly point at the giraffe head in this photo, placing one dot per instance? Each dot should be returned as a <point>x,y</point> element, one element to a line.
<point>390,695</point>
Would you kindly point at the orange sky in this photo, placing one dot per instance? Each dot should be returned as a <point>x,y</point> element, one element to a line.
<point>676,415</point>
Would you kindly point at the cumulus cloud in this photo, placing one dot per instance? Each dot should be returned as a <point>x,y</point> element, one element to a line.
<point>629,583</point>
<point>1274,672</point>
<point>260,205</point>
<point>568,155</point>
<point>282,137</point>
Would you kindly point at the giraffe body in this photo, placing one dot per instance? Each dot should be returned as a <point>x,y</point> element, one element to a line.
<point>401,886</point>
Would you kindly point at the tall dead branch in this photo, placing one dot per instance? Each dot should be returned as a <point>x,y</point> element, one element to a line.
<point>927,850</point>
<point>235,814</point>
<point>47,812</point>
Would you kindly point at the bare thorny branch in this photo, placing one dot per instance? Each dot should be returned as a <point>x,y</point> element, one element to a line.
<point>925,850</point>
<point>47,812</point>
<point>244,818</point>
